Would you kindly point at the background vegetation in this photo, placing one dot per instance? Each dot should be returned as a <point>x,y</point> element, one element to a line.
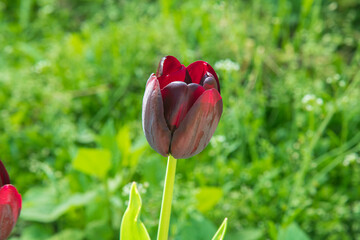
<point>284,161</point>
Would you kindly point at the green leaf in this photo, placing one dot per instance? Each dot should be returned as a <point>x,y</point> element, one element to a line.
<point>42,204</point>
<point>124,144</point>
<point>73,234</point>
<point>99,229</point>
<point>207,198</point>
<point>36,231</point>
<point>292,232</point>
<point>195,227</point>
<point>246,234</point>
<point>96,162</point>
<point>220,234</point>
<point>131,226</point>
<point>107,137</point>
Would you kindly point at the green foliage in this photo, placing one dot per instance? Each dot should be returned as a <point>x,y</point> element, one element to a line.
<point>131,226</point>
<point>207,198</point>
<point>292,232</point>
<point>285,156</point>
<point>220,234</point>
<point>47,204</point>
<point>96,162</point>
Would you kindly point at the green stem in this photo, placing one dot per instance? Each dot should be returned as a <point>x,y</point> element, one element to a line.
<point>164,221</point>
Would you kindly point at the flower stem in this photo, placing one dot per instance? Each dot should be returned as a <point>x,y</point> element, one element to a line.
<point>164,220</point>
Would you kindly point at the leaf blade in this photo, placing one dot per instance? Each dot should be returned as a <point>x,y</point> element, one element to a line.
<point>131,226</point>
<point>96,162</point>
<point>220,234</point>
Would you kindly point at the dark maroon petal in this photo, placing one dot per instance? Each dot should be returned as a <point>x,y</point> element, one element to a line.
<point>167,65</point>
<point>197,71</point>
<point>4,176</point>
<point>197,128</point>
<point>154,125</point>
<point>178,98</point>
<point>170,70</point>
<point>10,206</point>
<point>209,81</point>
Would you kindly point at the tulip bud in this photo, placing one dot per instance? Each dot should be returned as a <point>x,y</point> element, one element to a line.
<point>10,204</point>
<point>181,108</point>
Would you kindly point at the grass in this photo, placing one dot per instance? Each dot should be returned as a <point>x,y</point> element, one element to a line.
<point>284,160</point>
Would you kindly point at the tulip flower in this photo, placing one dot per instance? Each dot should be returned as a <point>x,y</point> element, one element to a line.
<point>182,107</point>
<point>10,204</point>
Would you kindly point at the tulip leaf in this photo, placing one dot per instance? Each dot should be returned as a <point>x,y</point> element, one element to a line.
<point>131,226</point>
<point>220,234</point>
<point>207,198</point>
<point>95,162</point>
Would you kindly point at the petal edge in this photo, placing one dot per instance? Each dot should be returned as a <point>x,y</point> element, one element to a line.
<point>197,128</point>
<point>154,125</point>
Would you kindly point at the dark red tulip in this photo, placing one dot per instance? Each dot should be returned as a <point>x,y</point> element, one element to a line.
<point>181,108</point>
<point>10,204</point>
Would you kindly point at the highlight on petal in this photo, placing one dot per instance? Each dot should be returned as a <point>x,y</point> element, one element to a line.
<point>170,70</point>
<point>209,82</point>
<point>155,128</point>
<point>178,98</point>
<point>4,176</point>
<point>10,206</point>
<point>197,128</point>
<point>197,70</point>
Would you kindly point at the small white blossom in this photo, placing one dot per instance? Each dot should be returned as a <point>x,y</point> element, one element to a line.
<point>227,65</point>
<point>308,98</point>
<point>350,158</point>
<point>141,188</point>
<point>311,102</point>
<point>319,101</point>
<point>342,83</point>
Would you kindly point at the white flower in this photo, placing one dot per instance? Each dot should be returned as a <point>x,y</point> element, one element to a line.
<point>227,65</point>
<point>308,98</point>
<point>311,101</point>
<point>319,101</point>
<point>350,158</point>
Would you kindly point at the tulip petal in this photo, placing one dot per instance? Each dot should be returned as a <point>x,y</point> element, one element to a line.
<point>10,206</point>
<point>197,128</point>
<point>170,70</point>
<point>178,98</point>
<point>209,81</point>
<point>4,176</point>
<point>197,71</point>
<point>154,125</point>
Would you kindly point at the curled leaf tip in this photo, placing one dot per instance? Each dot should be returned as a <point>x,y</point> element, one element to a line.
<point>131,226</point>
<point>220,234</point>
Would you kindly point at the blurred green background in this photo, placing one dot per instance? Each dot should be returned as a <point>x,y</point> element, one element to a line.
<point>283,164</point>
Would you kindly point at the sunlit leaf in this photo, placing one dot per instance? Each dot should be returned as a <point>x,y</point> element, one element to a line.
<point>107,136</point>
<point>207,198</point>
<point>96,162</point>
<point>219,235</point>
<point>124,144</point>
<point>131,226</point>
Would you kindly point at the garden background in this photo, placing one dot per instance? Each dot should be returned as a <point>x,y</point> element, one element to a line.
<point>284,161</point>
